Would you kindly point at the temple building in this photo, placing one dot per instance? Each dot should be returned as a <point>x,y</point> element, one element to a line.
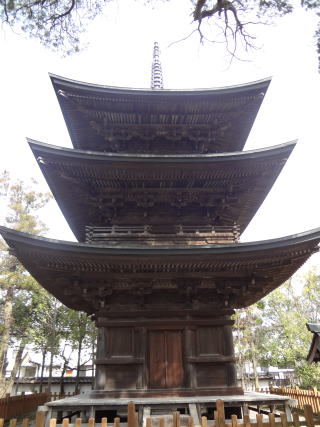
<point>314,351</point>
<point>158,190</point>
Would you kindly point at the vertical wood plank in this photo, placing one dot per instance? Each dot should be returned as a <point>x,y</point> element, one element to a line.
<point>13,422</point>
<point>246,420</point>
<point>149,422</point>
<point>40,417</point>
<point>216,419</point>
<point>131,414</point>
<point>161,422</point>
<point>65,422</point>
<point>173,419</point>
<point>177,419</point>
<point>91,422</point>
<point>296,420</point>
<point>308,413</point>
<point>272,421</point>
<point>104,422</point>
<point>234,421</point>
<point>284,421</point>
<point>116,422</point>
<point>190,422</point>
<point>25,422</point>
<point>53,422</point>
<point>220,411</point>
<point>259,418</point>
<point>1,422</point>
<point>204,422</point>
<point>78,422</point>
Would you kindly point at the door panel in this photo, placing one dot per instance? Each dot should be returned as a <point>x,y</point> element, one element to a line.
<point>157,360</point>
<point>174,374</point>
<point>165,359</point>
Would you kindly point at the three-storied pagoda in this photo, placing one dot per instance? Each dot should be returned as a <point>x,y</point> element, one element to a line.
<point>158,190</point>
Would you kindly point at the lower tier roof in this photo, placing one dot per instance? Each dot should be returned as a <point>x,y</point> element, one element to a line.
<point>104,189</point>
<point>89,278</point>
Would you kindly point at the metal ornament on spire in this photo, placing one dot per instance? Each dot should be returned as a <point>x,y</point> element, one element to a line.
<point>156,72</point>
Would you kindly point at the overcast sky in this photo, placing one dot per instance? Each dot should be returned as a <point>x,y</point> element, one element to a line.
<point>120,54</point>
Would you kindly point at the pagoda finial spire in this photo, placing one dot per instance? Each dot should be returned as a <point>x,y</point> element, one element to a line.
<point>156,72</point>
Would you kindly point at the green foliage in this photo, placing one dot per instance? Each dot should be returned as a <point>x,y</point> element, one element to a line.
<point>276,326</point>
<point>22,204</point>
<point>57,24</point>
<point>308,375</point>
<point>30,315</point>
<point>18,289</point>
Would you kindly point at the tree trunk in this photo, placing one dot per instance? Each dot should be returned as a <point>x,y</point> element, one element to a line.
<point>254,365</point>
<point>93,365</point>
<point>42,369</point>
<point>78,367</point>
<point>65,363</point>
<point>240,363</point>
<point>16,366</point>
<point>50,371</point>
<point>5,337</point>
<point>7,325</point>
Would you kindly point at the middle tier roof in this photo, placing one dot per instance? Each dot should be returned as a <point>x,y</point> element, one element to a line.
<point>94,188</point>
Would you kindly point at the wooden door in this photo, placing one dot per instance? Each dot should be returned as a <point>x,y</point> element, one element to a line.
<point>165,359</point>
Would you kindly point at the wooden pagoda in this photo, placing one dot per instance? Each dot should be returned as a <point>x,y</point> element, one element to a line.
<point>157,191</point>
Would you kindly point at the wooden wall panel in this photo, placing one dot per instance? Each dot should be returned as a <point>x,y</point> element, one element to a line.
<point>122,377</point>
<point>211,375</point>
<point>120,342</point>
<point>209,341</point>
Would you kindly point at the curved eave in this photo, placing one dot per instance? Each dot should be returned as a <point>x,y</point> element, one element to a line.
<point>68,172</point>
<point>61,83</point>
<point>40,149</point>
<point>252,269</point>
<point>14,238</point>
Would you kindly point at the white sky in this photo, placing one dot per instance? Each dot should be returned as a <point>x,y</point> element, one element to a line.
<point>120,54</point>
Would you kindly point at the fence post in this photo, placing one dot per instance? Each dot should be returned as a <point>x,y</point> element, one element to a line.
<point>220,413</point>
<point>307,409</point>
<point>190,422</point>
<point>131,415</point>
<point>40,416</point>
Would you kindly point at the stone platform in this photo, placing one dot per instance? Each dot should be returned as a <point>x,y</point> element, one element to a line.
<point>93,405</point>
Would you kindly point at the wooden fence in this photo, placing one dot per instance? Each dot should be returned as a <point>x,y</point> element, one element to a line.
<point>303,397</point>
<point>307,420</point>
<point>15,406</point>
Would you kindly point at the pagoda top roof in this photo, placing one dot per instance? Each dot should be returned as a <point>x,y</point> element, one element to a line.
<point>60,82</point>
<point>106,118</point>
<point>87,185</point>
<point>242,273</point>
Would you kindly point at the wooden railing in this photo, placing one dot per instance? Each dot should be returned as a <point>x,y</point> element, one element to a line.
<point>308,419</point>
<point>303,397</point>
<point>57,396</point>
<point>162,232</point>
